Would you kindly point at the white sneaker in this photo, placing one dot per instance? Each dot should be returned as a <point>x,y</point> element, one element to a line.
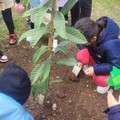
<point>3,58</point>
<point>102,90</point>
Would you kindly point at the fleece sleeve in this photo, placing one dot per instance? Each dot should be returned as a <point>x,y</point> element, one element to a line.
<point>114,113</point>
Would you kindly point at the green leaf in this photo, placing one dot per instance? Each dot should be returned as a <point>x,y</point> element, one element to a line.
<point>47,69</point>
<point>59,24</point>
<point>37,73</point>
<point>31,12</point>
<point>36,90</point>
<point>41,80</point>
<point>67,61</point>
<point>63,43</point>
<point>66,8</point>
<point>62,49</point>
<point>40,88</point>
<point>75,36</point>
<point>39,53</point>
<point>35,34</point>
<point>40,14</point>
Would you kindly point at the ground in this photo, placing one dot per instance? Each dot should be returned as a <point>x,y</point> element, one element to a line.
<point>74,100</point>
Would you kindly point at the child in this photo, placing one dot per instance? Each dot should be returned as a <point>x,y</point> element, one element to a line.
<point>15,89</point>
<point>101,51</point>
<point>5,7</point>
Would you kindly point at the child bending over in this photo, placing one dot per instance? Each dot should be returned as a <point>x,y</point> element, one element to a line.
<point>102,51</point>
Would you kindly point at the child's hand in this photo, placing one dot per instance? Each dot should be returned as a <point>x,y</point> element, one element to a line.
<point>79,64</point>
<point>89,71</point>
<point>111,99</point>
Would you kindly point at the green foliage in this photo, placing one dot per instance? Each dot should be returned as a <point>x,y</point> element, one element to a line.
<point>67,61</point>
<point>41,72</point>
<point>60,28</point>
<point>40,77</point>
<point>25,3</point>
<point>39,52</point>
<point>75,36</point>
<point>68,6</point>
<point>62,49</point>
<point>39,13</point>
<point>35,34</point>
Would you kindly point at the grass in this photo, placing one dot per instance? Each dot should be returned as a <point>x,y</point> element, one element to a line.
<point>106,8</point>
<point>100,8</point>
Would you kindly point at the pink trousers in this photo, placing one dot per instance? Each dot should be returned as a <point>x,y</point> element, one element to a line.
<point>85,58</point>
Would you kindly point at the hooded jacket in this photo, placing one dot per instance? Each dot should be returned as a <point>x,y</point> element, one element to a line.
<point>114,113</point>
<point>107,53</point>
<point>15,87</point>
<point>12,110</point>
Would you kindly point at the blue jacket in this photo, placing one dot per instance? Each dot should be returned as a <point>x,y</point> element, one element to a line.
<point>107,53</point>
<point>114,113</point>
<point>12,110</point>
<point>35,3</point>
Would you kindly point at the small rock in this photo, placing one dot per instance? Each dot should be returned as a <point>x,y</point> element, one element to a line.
<point>54,106</point>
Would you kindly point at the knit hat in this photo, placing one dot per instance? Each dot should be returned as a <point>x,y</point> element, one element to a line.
<point>15,83</point>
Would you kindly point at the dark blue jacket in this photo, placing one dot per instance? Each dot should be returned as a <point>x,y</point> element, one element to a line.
<point>114,113</point>
<point>107,53</point>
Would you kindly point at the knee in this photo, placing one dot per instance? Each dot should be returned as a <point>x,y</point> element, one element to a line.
<point>83,56</point>
<point>100,80</point>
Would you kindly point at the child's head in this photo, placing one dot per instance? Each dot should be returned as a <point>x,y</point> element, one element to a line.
<point>15,83</point>
<point>89,28</point>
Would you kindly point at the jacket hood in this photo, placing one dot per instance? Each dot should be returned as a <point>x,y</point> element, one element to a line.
<point>14,82</point>
<point>110,32</point>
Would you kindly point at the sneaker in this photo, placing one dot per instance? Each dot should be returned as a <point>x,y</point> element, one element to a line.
<point>12,39</point>
<point>102,90</point>
<point>3,58</point>
<point>19,7</point>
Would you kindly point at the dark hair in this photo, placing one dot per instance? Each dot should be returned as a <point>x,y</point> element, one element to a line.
<point>87,27</point>
<point>101,23</point>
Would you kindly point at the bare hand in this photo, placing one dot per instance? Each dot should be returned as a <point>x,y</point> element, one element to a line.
<point>79,64</point>
<point>89,71</point>
<point>111,99</point>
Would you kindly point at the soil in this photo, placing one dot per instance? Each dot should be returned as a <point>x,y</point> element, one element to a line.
<point>74,100</point>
